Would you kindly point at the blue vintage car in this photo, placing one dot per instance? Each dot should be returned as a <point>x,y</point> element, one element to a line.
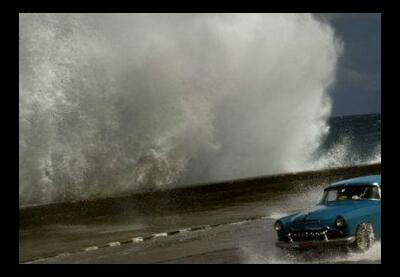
<point>348,214</point>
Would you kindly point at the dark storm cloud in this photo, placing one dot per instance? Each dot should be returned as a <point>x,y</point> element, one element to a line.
<point>357,89</point>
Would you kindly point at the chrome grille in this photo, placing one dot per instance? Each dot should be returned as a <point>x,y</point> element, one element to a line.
<point>307,235</point>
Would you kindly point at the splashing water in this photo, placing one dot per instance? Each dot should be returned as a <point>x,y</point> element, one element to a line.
<point>111,104</point>
<point>373,255</point>
<point>341,154</point>
<point>255,255</point>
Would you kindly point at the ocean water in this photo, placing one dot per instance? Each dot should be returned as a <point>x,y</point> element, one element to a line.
<point>351,140</point>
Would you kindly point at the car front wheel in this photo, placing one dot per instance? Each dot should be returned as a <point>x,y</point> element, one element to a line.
<point>364,237</point>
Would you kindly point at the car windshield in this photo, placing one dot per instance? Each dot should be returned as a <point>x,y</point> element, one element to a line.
<point>350,193</point>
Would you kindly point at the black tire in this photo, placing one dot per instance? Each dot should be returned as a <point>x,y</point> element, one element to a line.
<point>364,237</point>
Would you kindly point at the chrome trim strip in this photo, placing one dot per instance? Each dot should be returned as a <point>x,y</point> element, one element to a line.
<point>315,243</point>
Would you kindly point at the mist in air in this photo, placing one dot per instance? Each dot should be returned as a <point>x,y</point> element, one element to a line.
<point>117,103</point>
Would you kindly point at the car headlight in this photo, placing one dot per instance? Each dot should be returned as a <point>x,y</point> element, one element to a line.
<point>278,226</point>
<point>339,222</point>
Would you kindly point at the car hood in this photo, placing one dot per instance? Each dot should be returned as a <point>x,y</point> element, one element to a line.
<point>329,212</point>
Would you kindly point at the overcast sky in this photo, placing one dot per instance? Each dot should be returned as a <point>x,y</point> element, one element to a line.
<point>357,90</point>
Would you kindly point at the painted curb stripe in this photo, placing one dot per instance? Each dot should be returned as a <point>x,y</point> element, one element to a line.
<point>91,248</point>
<point>149,237</point>
<point>160,235</point>
<point>114,243</point>
<point>138,239</point>
<point>184,230</point>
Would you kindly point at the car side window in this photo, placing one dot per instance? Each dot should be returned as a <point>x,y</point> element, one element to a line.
<point>375,193</point>
<point>332,195</point>
<point>371,193</point>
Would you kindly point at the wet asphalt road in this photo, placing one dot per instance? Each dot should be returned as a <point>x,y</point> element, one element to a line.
<point>237,233</point>
<point>244,242</point>
<point>191,226</point>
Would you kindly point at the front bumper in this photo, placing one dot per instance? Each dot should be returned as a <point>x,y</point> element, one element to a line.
<point>316,243</point>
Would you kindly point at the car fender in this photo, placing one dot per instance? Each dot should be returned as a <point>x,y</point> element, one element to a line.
<point>367,214</point>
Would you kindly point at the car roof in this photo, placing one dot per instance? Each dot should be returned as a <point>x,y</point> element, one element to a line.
<point>359,181</point>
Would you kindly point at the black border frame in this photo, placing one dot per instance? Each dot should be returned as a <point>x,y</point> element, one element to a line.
<point>389,206</point>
